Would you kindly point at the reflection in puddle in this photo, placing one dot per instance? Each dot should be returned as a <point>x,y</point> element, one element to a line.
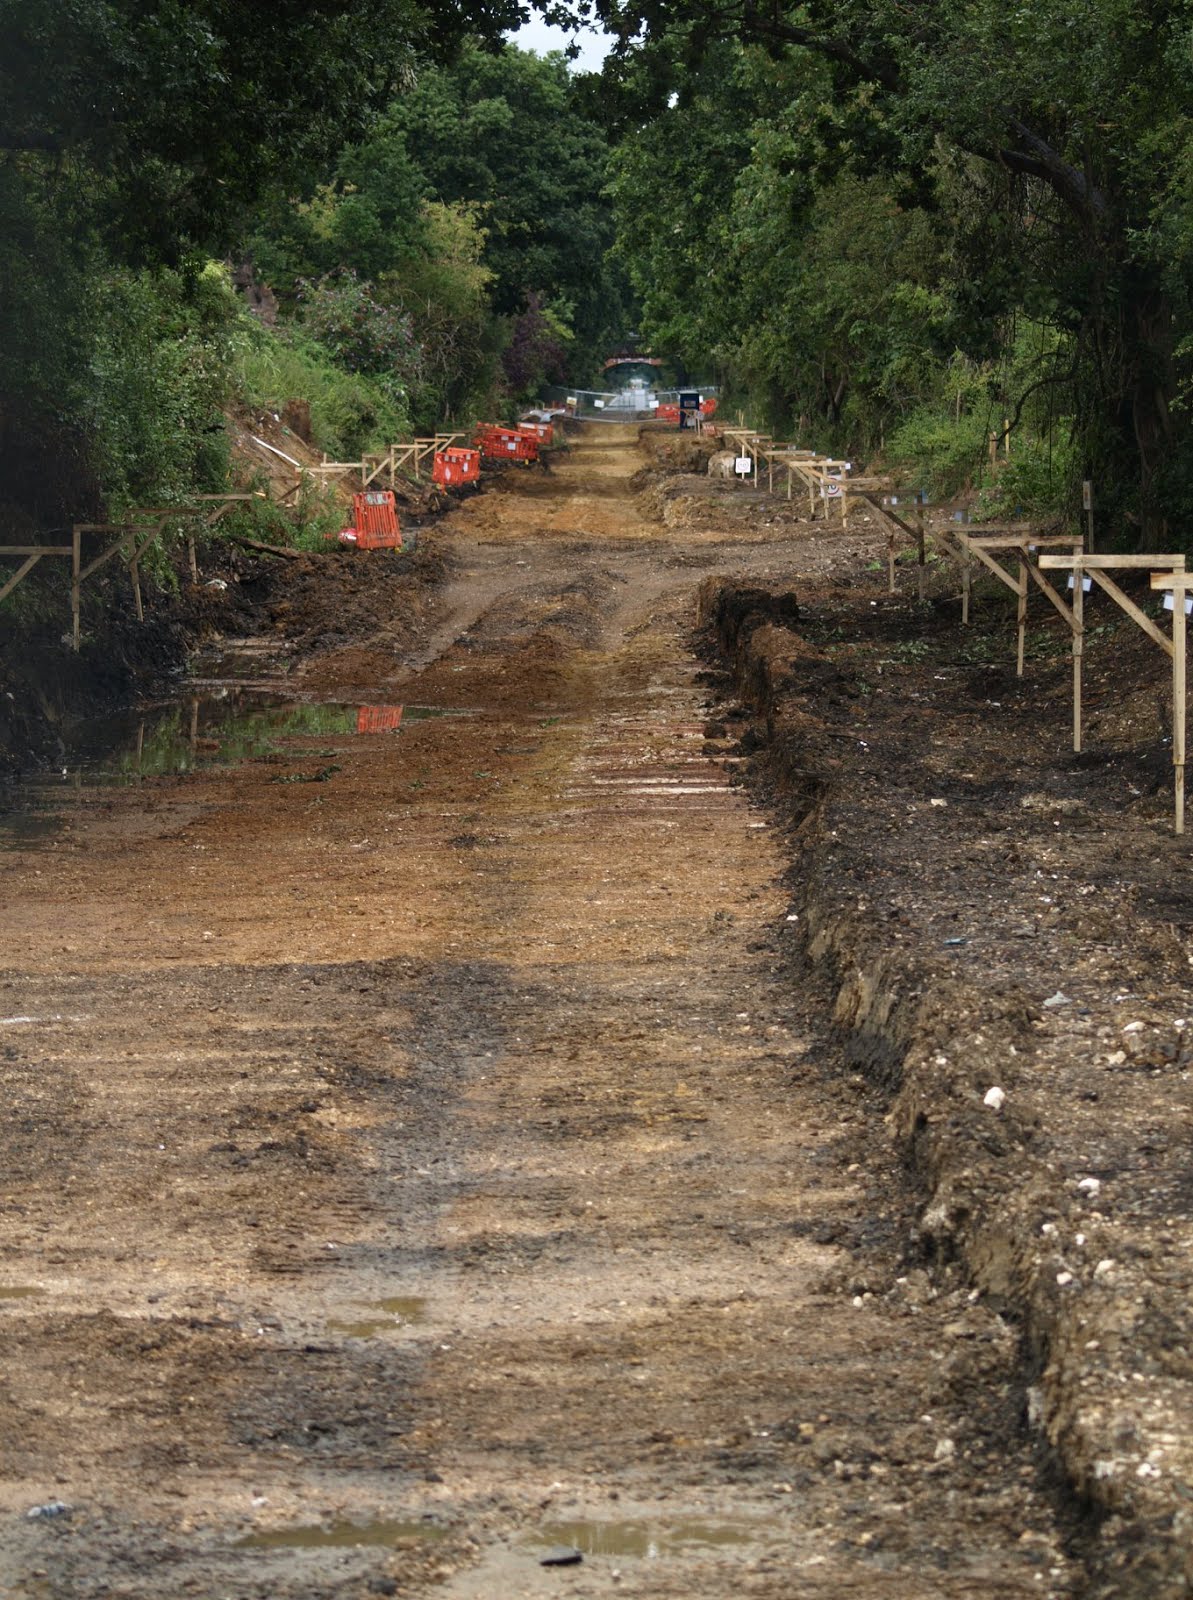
<point>20,1291</point>
<point>396,1312</point>
<point>339,1534</point>
<point>648,1539</point>
<point>216,728</point>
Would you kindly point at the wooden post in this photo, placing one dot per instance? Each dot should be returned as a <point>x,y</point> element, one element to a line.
<point>966,584</point>
<point>890,563</point>
<point>76,566</point>
<point>1179,670</point>
<point>190,550</point>
<point>919,543</point>
<point>1087,505</point>
<point>134,573</point>
<point>1021,617</point>
<point>789,480</point>
<point>1078,648</point>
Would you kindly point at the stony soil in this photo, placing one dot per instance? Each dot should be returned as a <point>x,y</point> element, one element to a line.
<point>561,1123</point>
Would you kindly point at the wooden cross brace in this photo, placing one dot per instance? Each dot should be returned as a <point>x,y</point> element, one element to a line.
<point>1098,568</point>
<point>987,547</point>
<point>871,491</point>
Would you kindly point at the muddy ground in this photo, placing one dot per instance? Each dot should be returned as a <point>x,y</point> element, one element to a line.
<point>558,1120</point>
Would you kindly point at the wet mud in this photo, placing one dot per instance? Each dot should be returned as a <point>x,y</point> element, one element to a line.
<point>496,1153</point>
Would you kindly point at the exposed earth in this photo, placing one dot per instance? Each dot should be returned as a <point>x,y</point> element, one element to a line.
<point>553,1125</point>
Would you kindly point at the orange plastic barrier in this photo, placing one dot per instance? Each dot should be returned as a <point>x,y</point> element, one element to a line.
<point>708,407</point>
<point>506,444</point>
<point>379,719</point>
<point>667,413</point>
<point>544,432</point>
<point>456,465</point>
<point>374,522</point>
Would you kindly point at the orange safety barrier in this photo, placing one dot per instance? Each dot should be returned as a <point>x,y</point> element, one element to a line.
<point>708,407</point>
<point>379,719</point>
<point>506,444</point>
<point>456,465</point>
<point>667,413</point>
<point>374,522</point>
<point>544,432</point>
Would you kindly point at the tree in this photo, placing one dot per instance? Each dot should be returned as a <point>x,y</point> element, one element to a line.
<point>1060,134</point>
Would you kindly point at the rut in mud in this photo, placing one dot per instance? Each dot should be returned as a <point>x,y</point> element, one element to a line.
<point>425,1147</point>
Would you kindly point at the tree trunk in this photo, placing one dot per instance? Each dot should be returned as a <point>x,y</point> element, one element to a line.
<point>1150,379</point>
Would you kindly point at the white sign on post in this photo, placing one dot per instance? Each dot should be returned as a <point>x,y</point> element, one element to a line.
<point>1087,495</point>
<point>1168,605</point>
<point>743,465</point>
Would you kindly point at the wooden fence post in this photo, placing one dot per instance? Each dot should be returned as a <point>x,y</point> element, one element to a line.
<point>76,565</point>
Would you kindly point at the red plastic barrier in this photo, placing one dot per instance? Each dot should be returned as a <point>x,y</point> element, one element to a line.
<point>455,466</point>
<point>544,432</point>
<point>374,522</point>
<point>667,413</point>
<point>379,719</point>
<point>506,444</point>
<point>709,407</point>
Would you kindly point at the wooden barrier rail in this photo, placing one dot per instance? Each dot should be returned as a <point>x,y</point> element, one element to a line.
<point>134,538</point>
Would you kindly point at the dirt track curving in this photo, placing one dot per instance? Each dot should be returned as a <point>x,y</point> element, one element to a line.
<point>429,1147</point>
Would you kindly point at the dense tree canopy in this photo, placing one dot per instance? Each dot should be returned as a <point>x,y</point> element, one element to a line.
<point>1046,150</point>
<point>893,228</point>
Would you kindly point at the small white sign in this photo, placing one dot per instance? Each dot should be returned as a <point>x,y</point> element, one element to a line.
<point>1086,584</point>
<point>598,405</point>
<point>830,489</point>
<point>1087,495</point>
<point>743,465</point>
<point>1168,605</point>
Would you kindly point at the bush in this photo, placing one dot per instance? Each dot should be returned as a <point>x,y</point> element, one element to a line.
<point>161,372</point>
<point>350,412</point>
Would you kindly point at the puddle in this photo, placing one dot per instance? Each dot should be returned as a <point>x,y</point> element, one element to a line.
<point>646,1538</point>
<point>20,1291</point>
<point>396,1312</point>
<point>218,727</point>
<point>339,1535</point>
<point>24,830</point>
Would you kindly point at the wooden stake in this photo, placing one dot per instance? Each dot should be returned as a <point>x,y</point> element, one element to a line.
<point>1078,626</point>
<point>134,573</point>
<point>1179,669</point>
<point>920,557</point>
<point>1021,616</point>
<point>76,565</point>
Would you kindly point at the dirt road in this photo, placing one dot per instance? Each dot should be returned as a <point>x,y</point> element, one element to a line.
<point>423,1148</point>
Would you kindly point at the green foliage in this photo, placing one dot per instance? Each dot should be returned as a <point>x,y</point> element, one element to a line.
<point>476,201</point>
<point>350,412</point>
<point>160,371</point>
<point>907,181</point>
<point>1037,481</point>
